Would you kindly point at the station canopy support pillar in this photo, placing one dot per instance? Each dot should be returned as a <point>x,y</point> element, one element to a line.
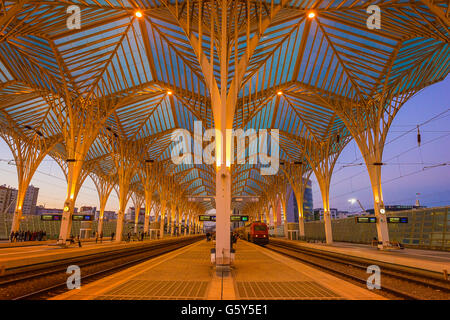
<point>325,192</point>
<point>75,177</point>
<point>172,218</point>
<point>146,219</point>
<point>162,216</point>
<point>27,157</point>
<point>380,213</point>
<point>123,200</point>
<point>223,209</point>
<point>104,187</point>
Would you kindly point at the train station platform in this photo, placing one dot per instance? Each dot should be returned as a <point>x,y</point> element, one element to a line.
<point>187,273</point>
<point>428,260</point>
<point>7,244</point>
<point>14,257</point>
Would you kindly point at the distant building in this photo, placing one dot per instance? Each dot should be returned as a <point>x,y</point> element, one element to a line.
<point>397,207</point>
<point>107,215</point>
<point>129,215</point>
<point>40,210</point>
<point>292,206</point>
<point>88,210</point>
<point>9,196</point>
<point>318,213</point>
<point>6,200</point>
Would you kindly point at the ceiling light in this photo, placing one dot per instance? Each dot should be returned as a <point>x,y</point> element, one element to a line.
<point>311,15</point>
<point>138,14</point>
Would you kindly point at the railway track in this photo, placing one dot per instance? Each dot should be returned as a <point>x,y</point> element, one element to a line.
<point>47,280</point>
<point>401,282</point>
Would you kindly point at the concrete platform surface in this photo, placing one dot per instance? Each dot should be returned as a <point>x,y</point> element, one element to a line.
<point>187,273</point>
<point>15,257</point>
<point>429,260</point>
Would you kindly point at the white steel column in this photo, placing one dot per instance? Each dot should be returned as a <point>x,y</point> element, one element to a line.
<point>223,209</point>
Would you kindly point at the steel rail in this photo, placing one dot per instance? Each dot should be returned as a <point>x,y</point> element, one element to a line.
<point>418,279</point>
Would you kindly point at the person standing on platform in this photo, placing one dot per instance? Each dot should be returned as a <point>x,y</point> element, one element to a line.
<point>79,241</point>
<point>112,236</point>
<point>101,237</point>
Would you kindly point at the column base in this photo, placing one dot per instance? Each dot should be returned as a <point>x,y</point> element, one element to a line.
<point>223,270</point>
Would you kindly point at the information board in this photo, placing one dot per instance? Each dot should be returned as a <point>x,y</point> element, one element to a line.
<point>397,219</point>
<point>366,219</point>
<point>51,217</point>
<point>82,217</point>
<point>233,218</point>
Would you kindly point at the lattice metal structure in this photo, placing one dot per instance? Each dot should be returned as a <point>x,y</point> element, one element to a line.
<point>105,99</point>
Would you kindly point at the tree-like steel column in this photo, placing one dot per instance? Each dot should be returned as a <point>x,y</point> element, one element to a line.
<point>28,155</point>
<point>162,217</point>
<point>173,212</point>
<point>322,159</point>
<point>369,123</point>
<point>104,185</point>
<point>280,185</point>
<point>221,26</point>
<point>85,169</point>
<point>137,202</point>
<point>148,176</point>
<point>80,120</point>
<point>164,193</point>
<point>298,176</point>
<point>125,163</point>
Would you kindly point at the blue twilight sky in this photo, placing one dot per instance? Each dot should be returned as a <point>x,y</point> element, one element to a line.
<point>409,169</point>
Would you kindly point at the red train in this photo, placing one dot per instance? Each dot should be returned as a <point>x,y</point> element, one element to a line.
<point>256,232</point>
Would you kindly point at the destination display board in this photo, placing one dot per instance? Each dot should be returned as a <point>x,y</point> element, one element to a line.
<point>206,218</point>
<point>233,218</point>
<point>366,219</point>
<point>237,218</point>
<point>397,219</point>
<point>82,217</point>
<point>51,217</point>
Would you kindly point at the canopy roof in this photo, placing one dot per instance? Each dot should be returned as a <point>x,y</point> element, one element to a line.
<point>298,71</point>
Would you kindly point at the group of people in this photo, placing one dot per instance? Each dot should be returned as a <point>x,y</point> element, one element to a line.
<point>28,236</point>
<point>98,236</point>
<point>234,236</point>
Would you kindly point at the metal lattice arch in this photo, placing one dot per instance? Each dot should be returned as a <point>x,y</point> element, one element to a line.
<point>104,100</point>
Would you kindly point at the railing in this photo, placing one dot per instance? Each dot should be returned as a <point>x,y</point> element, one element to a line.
<point>427,228</point>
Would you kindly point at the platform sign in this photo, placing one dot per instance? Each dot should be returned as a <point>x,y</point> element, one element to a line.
<point>82,217</point>
<point>237,218</point>
<point>233,218</point>
<point>366,219</point>
<point>51,217</point>
<point>397,219</point>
